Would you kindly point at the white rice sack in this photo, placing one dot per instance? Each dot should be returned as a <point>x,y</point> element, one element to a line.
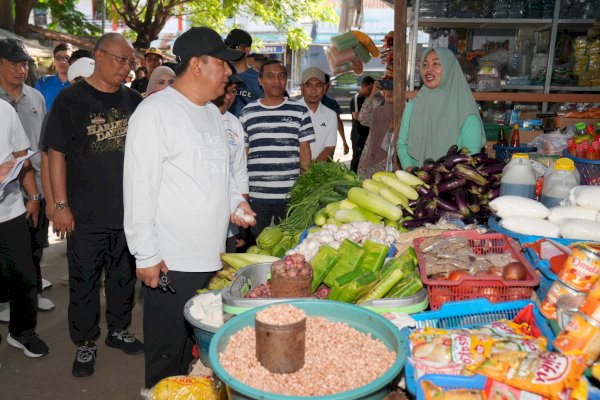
<point>557,214</point>
<point>586,197</point>
<point>580,229</point>
<point>530,226</point>
<point>517,206</point>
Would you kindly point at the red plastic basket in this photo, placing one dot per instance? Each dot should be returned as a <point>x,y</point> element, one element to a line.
<point>495,289</point>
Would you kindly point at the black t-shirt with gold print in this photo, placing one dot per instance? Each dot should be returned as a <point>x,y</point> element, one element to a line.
<point>90,127</point>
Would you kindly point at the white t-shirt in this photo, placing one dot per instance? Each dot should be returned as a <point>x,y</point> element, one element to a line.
<point>237,157</point>
<point>12,139</point>
<point>325,126</point>
<point>177,187</point>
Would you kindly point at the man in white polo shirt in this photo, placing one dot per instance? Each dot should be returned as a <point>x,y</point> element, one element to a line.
<point>323,118</point>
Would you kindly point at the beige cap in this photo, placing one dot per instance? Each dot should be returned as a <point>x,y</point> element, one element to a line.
<point>313,72</point>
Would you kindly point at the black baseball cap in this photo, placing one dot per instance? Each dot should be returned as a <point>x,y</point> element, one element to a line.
<point>13,51</point>
<point>238,37</point>
<point>200,41</point>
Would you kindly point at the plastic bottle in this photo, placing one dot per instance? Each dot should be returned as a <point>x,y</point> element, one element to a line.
<point>580,129</point>
<point>518,178</point>
<point>558,181</point>
<point>571,146</point>
<point>502,137</point>
<point>515,137</point>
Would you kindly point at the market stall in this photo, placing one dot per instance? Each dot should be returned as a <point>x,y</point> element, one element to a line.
<point>471,276</point>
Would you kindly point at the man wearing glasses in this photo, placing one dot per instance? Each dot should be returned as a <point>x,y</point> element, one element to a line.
<point>50,85</point>
<point>249,90</point>
<point>85,137</point>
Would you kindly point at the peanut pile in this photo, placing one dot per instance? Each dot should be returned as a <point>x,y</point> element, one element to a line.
<point>280,314</point>
<point>338,358</point>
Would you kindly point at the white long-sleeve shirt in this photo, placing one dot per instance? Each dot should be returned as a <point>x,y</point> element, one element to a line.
<point>234,133</point>
<point>178,191</point>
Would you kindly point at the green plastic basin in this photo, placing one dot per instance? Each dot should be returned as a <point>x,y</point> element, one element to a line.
<point>358,318</point>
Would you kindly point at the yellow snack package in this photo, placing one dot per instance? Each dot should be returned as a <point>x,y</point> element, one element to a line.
<point>550,374</point>
<point>185,388</point>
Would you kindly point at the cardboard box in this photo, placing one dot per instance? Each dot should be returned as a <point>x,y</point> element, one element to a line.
<point>564,122</point>
<point>528,136</point>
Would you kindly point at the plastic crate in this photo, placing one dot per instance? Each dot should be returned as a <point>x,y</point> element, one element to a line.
<point>547,277</point>
<point>495,289</point>
<point>588,169</point>
<point>471,314</point>
<point>504,153</point>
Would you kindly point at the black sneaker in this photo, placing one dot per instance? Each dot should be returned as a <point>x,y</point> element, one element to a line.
<point>85,357</point>
<point>30,343</point>
<point>125,341</point>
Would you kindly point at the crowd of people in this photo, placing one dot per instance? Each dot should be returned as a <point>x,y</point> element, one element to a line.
<point>143,177</point>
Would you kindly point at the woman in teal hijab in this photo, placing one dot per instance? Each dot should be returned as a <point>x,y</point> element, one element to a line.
<point>443,114</point>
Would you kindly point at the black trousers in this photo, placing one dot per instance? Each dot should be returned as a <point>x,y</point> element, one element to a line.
<point>358,144</point>
<point>39,241</point>
<point>88,250</point>
<point>264,213</point>
<point>168,337</point>
<point>18,275</point>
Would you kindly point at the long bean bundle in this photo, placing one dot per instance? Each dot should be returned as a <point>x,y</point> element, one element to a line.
<point>317,181</point>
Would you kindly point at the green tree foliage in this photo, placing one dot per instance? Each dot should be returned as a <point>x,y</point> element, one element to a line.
<point>66,18</point>
<point>284,15</point>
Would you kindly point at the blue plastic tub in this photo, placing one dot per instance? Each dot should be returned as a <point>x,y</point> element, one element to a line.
<point>547,277</point>
<point>471,314</point>
<point>356,317</point>
<point>202,332</point>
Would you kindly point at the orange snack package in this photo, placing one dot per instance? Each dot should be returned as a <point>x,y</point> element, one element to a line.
<point>433,392</point>
<point>551,375</point>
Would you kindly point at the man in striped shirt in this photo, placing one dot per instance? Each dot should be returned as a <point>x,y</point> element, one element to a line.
<point>278,135</point>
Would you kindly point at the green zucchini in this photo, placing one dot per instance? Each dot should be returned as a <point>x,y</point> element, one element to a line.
<point>343,188</point>
<point>320,217</point>
<point>329,198</point>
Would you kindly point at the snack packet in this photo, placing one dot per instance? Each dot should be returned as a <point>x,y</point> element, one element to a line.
<point>550,374</point>
<point>433,392</point>
<point>185,388</point>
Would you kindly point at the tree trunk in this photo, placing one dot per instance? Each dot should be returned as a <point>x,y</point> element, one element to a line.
<point>22,10</point>
<point>6,15</point>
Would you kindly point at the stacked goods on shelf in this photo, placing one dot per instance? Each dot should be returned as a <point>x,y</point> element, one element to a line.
<point>586,64</point>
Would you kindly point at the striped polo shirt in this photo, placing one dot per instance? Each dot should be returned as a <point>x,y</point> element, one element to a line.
<point>273,135</point>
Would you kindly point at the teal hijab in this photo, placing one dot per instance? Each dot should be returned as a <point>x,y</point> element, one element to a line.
<point>438,114</point>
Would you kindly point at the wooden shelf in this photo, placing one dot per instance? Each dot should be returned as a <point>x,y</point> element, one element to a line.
<point>576,88</point>
<point>529,97</point>
<point>575,23</point>
<point>484,23</point>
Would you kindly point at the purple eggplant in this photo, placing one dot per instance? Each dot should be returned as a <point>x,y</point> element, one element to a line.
<point>491,169</point>
<point>413,203</point>
<point>445,205</point>
<point>424,176</point>
<point>417,222</point>
<point>493,193</point>
<point>452,160</point>
<point>452,184</point>
<point>461,203</point>
<point>475,208</point>
<point>419,210</point>
<point>412,169</point>
<point>431,209</point>
<point>452,150</point>
<point>427,167</point>
<point>464,150</point>
<point>469,173</point>
<point>437,177</point>
<point>422,190</point>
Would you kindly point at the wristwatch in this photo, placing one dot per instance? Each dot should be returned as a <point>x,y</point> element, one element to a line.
<point>34,197</point>
<point>60,205</point>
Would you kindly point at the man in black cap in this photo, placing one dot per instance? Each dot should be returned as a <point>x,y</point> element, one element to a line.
<point>250,89</point>
<point>16,264</point>
<point>179,195</point>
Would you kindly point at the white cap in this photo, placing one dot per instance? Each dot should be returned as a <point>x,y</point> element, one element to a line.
<point>84,67</point>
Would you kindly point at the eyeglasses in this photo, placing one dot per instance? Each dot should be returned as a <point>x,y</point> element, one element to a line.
<point>62,59</point>
<point>121,60</point>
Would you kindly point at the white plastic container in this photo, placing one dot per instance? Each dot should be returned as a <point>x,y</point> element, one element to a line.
<point>558,181</point>
<point>518,178</point>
